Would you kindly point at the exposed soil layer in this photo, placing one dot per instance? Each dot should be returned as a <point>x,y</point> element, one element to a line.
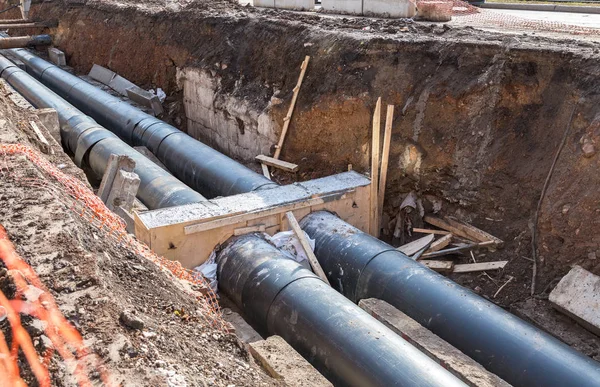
<point>95,280</point>
<point>479,115</point>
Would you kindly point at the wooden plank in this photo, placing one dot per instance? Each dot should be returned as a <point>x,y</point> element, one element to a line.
<point>265,171</point>
<point>46,148</point>
<point>463,229</point>
<point>414,246</point>
<point>312,259</point>
<point>374,208</point>
<point>387,138</point>
<point>458,249</point>
<point>440,243</point>
<point>249,229</point>
<point>288,117</point>
<point>429,231</point>
<point>483,266</point>
<point>439,266</point>
<point>273,162</point>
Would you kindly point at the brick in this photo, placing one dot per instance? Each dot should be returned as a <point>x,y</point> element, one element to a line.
<point>57,57</point>
<point>459,364</point>
<point>578,296</point>
<point>282,361</point>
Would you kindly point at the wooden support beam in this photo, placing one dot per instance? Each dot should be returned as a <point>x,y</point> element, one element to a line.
<point>5,26</point>
<point>273,162</point>
<point>458,249</point>
<point>429,231</point>
<point>374,208</point>
<point>288,117</point>
<point>463,230</point>
<point>387,138</point>
<point>312,259</point>
<point>439,266</point>
<point>415,246</point>
<point>483,266</point>
<point>249,229</point>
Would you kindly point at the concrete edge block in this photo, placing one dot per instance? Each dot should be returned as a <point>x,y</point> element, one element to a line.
<point>452,359</point>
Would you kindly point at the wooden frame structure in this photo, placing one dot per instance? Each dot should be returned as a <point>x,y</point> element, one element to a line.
<point>190,233</point>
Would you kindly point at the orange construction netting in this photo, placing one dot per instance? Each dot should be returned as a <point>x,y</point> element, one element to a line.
<point>64,336</point>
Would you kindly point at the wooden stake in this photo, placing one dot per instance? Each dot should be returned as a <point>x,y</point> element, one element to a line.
<point>440,243</point>
<point>483,266</point>
<point>288,117</point>
<point>312,259</point>
<point>385,158</point>
<point>374,210</point>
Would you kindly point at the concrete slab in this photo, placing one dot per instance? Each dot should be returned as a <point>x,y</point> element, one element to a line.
<point>281,361</point>
<point>57,57</point>
<point>101,74</point>
<point>578,296</point>
<point>264,3</point>
<point>459,364</point>
<point>145,98</point>
<point>298,5</point>
<point>120,85</point>
<point>123,190</point>
<point>389,8</point>
<point>352,7</point>
<point>49,118</point>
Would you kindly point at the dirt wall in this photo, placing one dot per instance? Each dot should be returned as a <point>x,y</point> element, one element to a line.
<point>479,116</point>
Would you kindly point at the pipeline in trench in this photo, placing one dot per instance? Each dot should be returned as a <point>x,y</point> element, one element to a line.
<point>516,351</point>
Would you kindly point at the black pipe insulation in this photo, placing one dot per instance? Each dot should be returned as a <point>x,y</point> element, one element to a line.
<point>342,341</point>
<point>360,266</point>
<point>92,145</point>
<point>202,168</point>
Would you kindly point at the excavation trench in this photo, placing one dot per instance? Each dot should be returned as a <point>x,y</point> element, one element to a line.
<point>481,116</point>
<point>479,120</point>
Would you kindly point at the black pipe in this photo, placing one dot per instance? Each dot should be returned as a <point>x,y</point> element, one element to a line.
<point>342,341</point>
<point>204,169</point>
<point>361,266</point>
<point>92,145</point>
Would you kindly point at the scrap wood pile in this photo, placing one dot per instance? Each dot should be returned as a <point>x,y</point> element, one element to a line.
<point>450,237</point>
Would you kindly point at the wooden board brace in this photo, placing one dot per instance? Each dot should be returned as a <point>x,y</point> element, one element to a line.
<point>288,117</point>
<point>273,162</point>
<point>374,208</point>
<point>463,230</point>
<point>312,259</point>
<point>387,138</point>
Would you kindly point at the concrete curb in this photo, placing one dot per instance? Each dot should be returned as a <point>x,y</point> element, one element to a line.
<point>542,7</point>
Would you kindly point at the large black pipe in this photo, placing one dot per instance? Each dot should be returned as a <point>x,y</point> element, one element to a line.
<point>361,266</point>
<point>342,341</point>
<point>204,169</point>
<point>92,145</point>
